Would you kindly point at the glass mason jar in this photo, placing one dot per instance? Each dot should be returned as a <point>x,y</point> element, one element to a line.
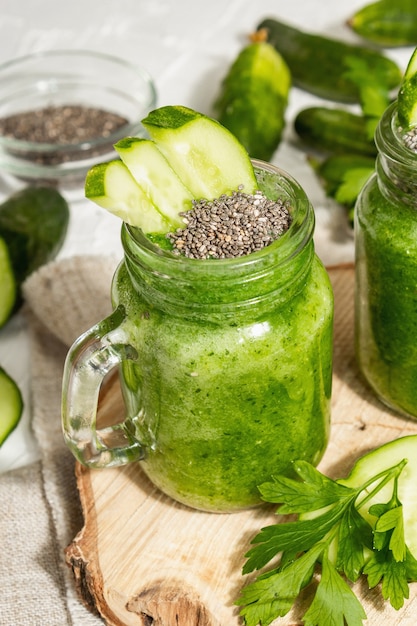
<point>225,364</point>
<point>386,271</point>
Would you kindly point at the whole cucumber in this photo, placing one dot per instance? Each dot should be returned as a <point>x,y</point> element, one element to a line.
<point>253,99</point>
<point>334,131</point>
<point>318,63</point>
<point>33,224</point>
<point>387,23</point>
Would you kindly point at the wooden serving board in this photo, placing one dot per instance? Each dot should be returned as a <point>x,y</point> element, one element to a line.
<point>144,560</point>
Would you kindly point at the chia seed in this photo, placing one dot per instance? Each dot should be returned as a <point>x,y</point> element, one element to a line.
<point>230,226</point>
<point>65,125</point>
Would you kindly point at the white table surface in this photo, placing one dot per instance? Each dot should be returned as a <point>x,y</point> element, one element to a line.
<point>187,47</point>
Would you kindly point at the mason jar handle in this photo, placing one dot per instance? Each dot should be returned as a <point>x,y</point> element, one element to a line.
<point>94,355</point>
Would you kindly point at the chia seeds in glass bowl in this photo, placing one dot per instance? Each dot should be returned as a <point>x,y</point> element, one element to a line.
<point>62,111</point>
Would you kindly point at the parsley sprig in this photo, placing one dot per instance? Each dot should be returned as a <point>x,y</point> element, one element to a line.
<point>330,541</point>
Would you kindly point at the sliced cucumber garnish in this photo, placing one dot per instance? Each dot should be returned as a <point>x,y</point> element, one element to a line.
<point>156,177</point>
<point>206,156</point>
<point>112,186</point>
<point>407,95</point>
<point>189,156</point>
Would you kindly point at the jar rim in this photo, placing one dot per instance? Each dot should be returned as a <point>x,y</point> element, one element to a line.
<point>286,246</point>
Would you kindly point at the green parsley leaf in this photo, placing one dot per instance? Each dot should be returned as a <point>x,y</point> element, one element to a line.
<point>382,566</point>
<point>374,92</point>
<point>351,184</point>
<point>334,603</point>
<point>273,595</point>
<point>330,539</point>
<point>315,492</point>
<point>300,535</point>
<point>393,521</point>
<point>355,534</point>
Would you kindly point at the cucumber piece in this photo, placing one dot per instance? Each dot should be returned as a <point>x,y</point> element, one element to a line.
<point>253,99</point>
<point>380,459</point>
<point>387,23</point>
<point>8,289</point>
<point>206,156</point>
<point>11,405</point>
<point>318,63</point>
<point>33,223</point>
<point>334,131</point>
<point>156,177</point>
<point>407,95</point>
<point>111,186</point>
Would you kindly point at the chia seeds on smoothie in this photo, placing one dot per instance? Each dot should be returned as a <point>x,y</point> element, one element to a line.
<point>230,226</point>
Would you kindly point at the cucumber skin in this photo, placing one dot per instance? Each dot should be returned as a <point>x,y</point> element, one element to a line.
<point>317,63</point>
<point>335,131</point>
<point>387,23</point>
<point>254,98</point>
<point>33,223</point>
<point>10,393</point>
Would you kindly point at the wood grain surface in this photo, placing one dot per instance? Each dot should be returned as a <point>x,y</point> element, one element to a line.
<point>142,559</point>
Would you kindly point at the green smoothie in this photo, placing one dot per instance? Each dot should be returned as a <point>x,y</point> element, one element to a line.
<point>386,319</point>
<point>386,268</point>
<point>221,407</point>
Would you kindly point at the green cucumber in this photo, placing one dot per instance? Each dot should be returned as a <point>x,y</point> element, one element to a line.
<point>33,224</point>
<point>112,186</point>
<point>8,288</point>
<point>11,405</point>
<point>380,459</point>
<point>206,156</point>
<point>156,177</point>
<point>253,99</point>
<point>407,95</point>
<point>318,63</point>
<point>334,131</point>
<point>387,23</point>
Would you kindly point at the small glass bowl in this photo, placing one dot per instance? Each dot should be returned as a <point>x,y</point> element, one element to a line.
<point>69,78</point>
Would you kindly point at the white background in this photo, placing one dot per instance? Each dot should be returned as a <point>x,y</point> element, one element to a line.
<point>187,47</point>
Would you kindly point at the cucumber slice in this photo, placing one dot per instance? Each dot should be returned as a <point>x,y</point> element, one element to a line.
<point>156,177</point>
<point>382,458</point>
<point>111,186</point>
<point>407,95</point>
<point>8,288</point>
<point>206,156</point>
<point>11,405</point>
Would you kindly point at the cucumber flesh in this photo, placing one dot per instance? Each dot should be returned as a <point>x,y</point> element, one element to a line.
<point>8,288</point>
<point>156,177</point>
<point>382,458</point>
<point>206,156</point>
<point>11,405</point>
<point>111,186</point>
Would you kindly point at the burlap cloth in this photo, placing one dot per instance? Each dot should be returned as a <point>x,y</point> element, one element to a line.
<point>40,509</point>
